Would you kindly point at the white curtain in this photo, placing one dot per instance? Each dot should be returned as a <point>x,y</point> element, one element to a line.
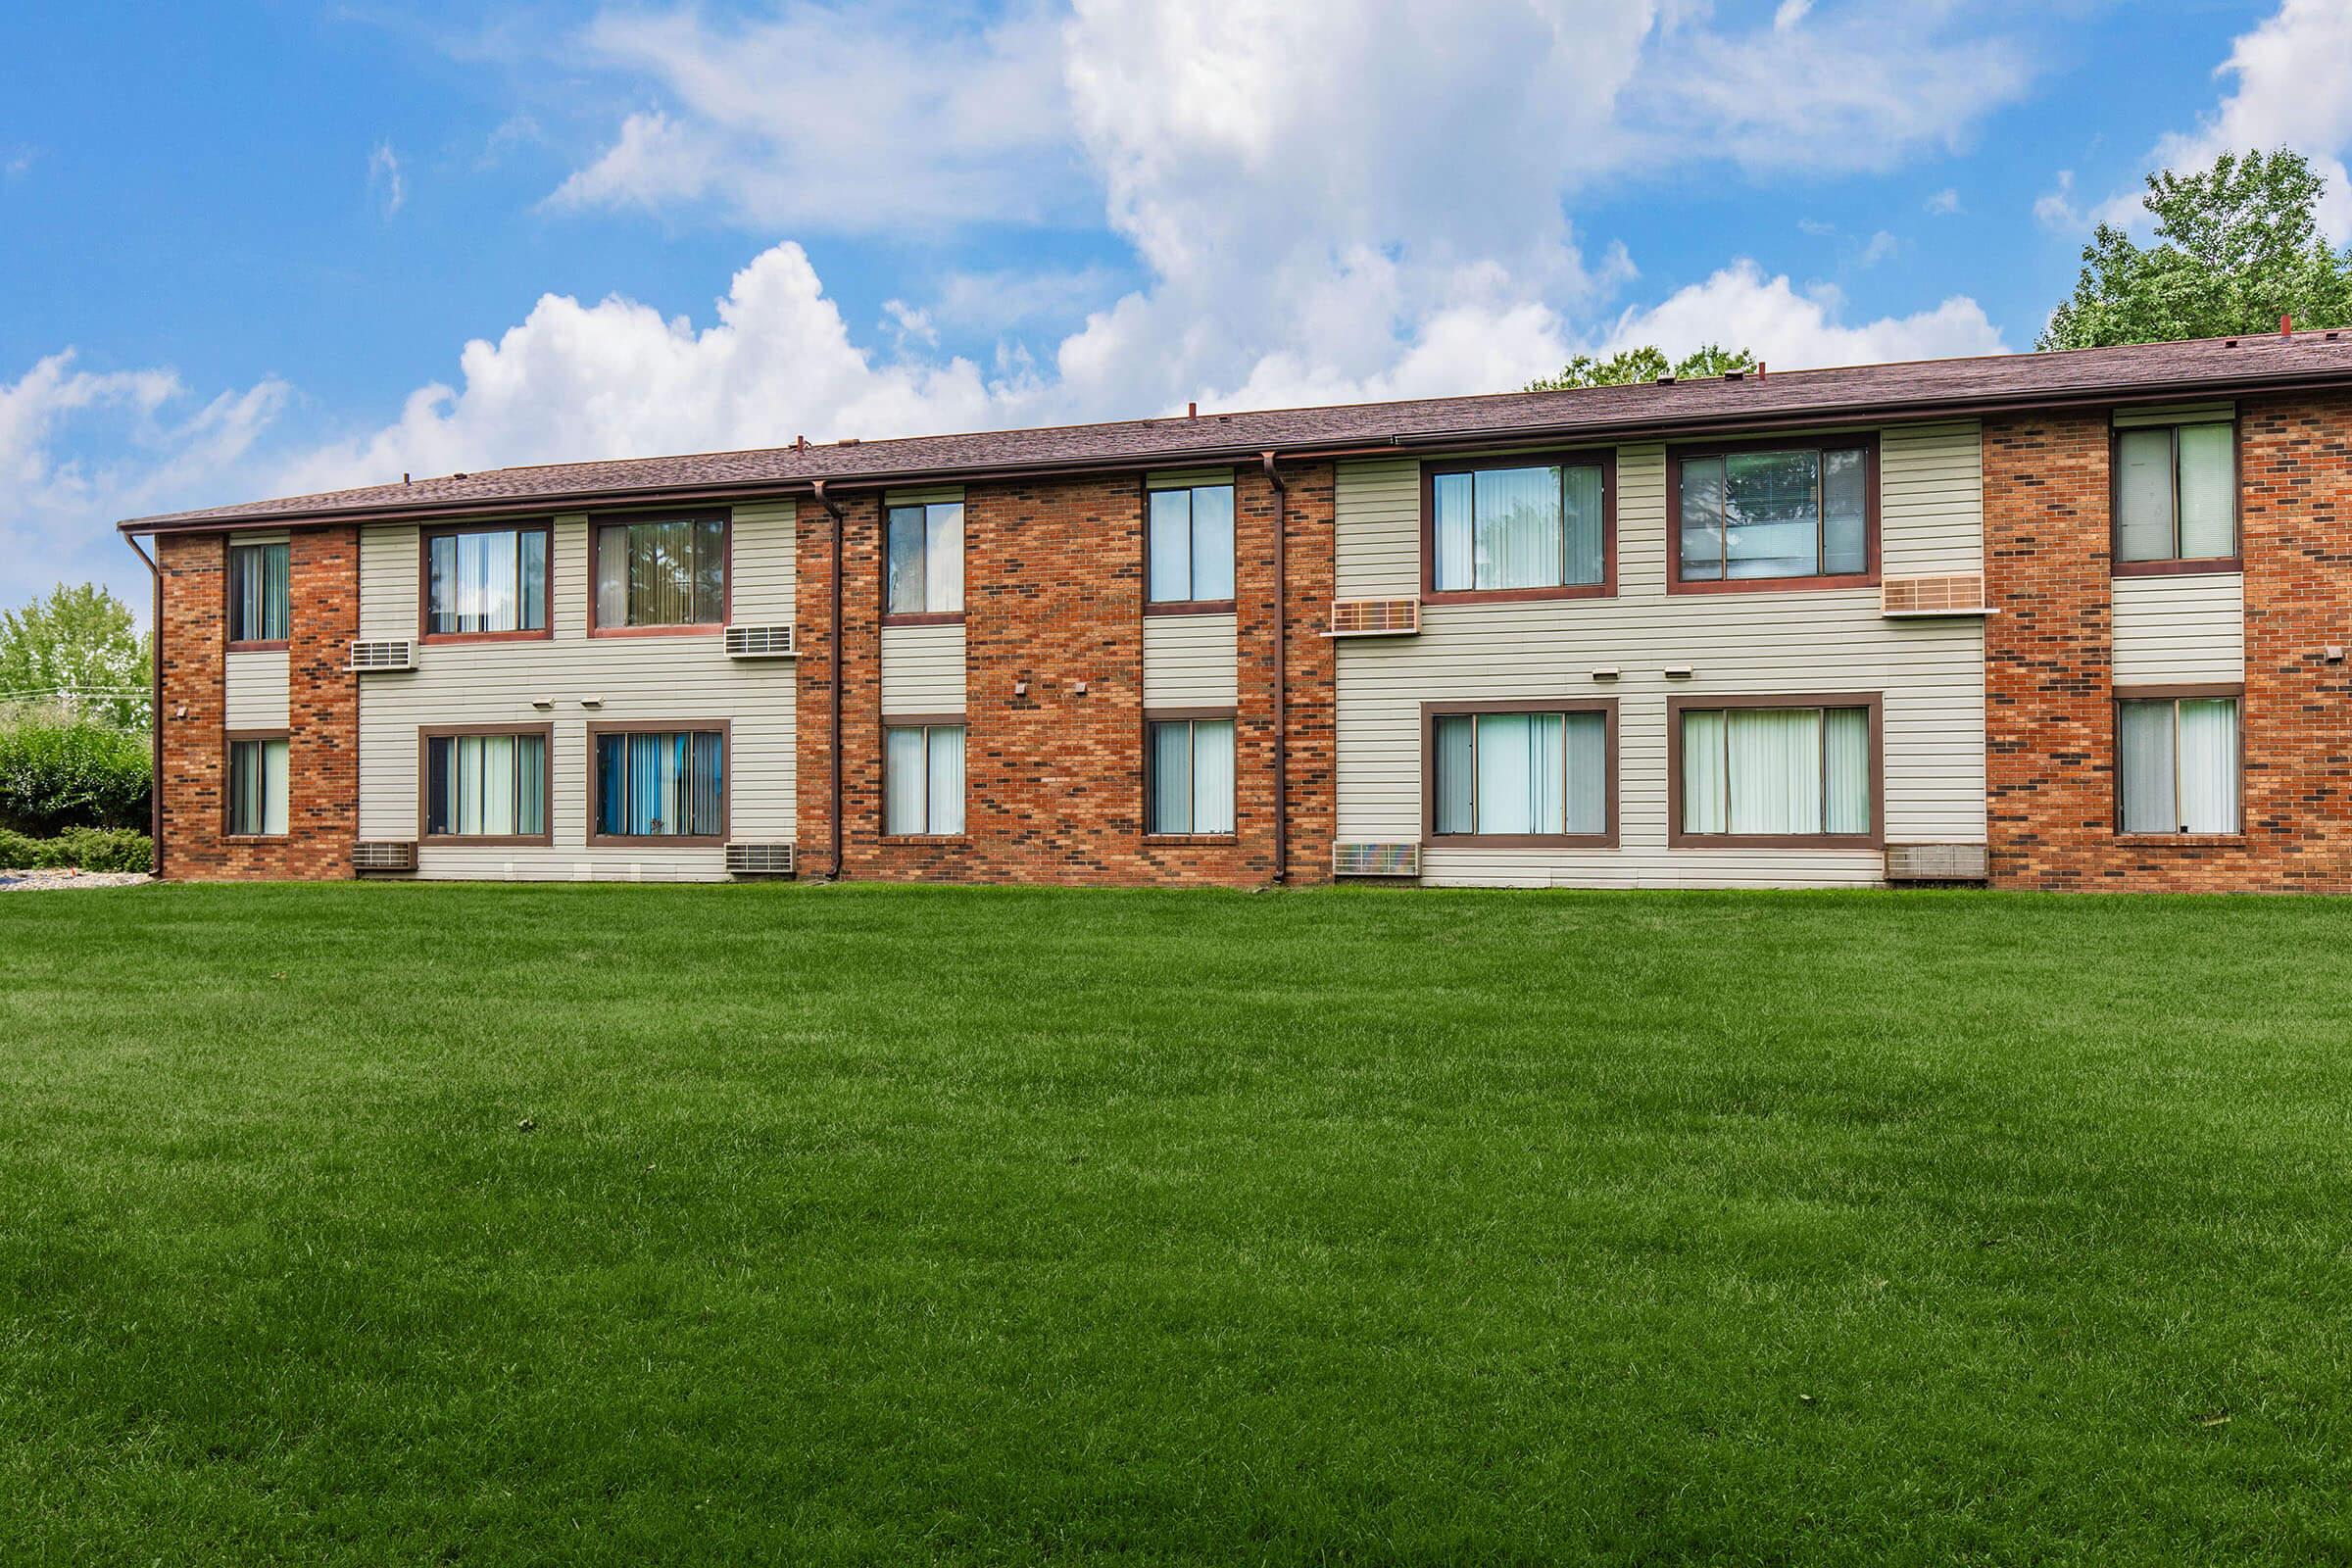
<point>904,775</point>
<point>2208,765</point>
<point>2208,490</point>
<point>2144,495</point>
<point>1171,778</point>
<point>1456,761</point>
<point>1587,790</point>
<point>1518,528</point>
<point>495,791</point>
<point>1170,545</point>
<point>1213,547</point>
<point>1455,497</point>
<point>1212,775</point>
<point>1506,778</point>
<point>1705,804</point>
<point>1773,757</point>
<point>274,784</point>
<point>943,558</point>
<point>945,803</point>
<point>1845,769</point>
<point>530,784</point>
<point>1580,504</point>
<point>2144,747</point>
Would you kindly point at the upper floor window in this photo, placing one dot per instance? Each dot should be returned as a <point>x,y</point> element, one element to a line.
<point>1778,514</point>
<point>922,779</point>
<point>665,572</point>
<point>257,785</point>
<point>660,784</point>
<point>1191,545</point>
<point>486,785</point>
<point>1776,771</point>
<point>1504,773</point>
<point>1188,775</point>
<point>485,582</point>
<point>2176,494</point>
<point>2178,764</point>
<point>926,560</point>
<point>1533,528</point>
<point>259,597</point>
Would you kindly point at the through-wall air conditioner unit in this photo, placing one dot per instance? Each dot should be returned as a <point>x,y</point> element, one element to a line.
<point>1936,862</point>
<point>1375,618</point>
<point>760,642</point>
<point>379,657</point>
<point>384,854</point>
<point>1960,593</point>
<point>1376,859</point>
<point>759,860</point>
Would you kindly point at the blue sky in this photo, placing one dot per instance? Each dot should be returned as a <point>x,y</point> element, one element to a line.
<point>259,250</point>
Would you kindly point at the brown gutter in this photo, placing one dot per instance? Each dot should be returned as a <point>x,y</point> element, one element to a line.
<point>1281,675</point>
<point>154,709</point>
<point>833,507</point>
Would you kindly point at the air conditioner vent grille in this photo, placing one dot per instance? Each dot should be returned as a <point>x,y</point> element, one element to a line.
<point>759,860</point>
<point>1955,594</point>
<point>377,658</point>
<point>760,642</point>
<point>384,854</point>
<point>1376,859</point>
<point>1375,618</point>
<point>1936,862</point>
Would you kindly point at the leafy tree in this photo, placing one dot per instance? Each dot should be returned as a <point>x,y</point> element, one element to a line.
<point>80,648</point>
<point>2239,248</point>
<point>1645,363</point>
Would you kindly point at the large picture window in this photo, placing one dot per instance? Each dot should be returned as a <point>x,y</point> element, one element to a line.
<point>2177,761</point>
<point>1532,528</point>
<point>485,582</point>
<point>487,786</point>
<point>922,779</point>
<point>1776,515</point>
<point>925,567</point>
<point>1188,781</point>
<point>257,784</point>
<point>667,571</point>
<point>1786,770</point>
<point>2176,495</point>
<point>660,784</point>
<point>260,592</point>
<point>1191,545</point>
<point>1502,774</point>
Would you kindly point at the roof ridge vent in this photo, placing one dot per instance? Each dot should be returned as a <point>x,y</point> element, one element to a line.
<point>847,441</point>
<point>1667,380</point>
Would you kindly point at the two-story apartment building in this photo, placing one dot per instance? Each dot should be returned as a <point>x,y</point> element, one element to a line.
<point>2047,620</point>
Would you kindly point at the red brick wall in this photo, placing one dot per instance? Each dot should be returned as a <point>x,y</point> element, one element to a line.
<point>1053,596</point>
<point>323,711</point>
<point>2049,660</point>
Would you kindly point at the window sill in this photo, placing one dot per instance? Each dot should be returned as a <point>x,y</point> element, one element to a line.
<point>697,629</point>
<point>892,841</point>
<point>1515,596</point>
<point>643,842</point>
<point>2177,841</point>
<point>1775,841</point>
<point>924,618</point>
<point>469,841</point>
<point>2208,567</point>
<point>1519,841</point>
<point>1179,841</point>
<point>254,838</point>
<point>435,638</point>
<point>1773,586</point>
<point>277,645</point>
<point>1189,606</point>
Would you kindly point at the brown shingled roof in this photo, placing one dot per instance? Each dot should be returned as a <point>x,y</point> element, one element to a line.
<point>2212,366</point>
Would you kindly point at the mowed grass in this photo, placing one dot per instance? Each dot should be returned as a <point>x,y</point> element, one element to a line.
<point>871,1224</point>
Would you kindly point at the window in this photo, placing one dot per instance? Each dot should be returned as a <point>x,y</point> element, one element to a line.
<point>671,571</point>
<point>258,592</point>
<point>487,786</point>
<point>1776,771</point>
<point>1747,515</point>
<point>660,784</point>
<point>1542,527</point>
<point>922,780</point>
<point>1188,777</point>
<point>485,582</point>
<point>926,560</point>
<point>1191,545</point>
<point>2176,494</point>
<point>2177,757</point>
<point>1540,775</point>
<point>257,785</point>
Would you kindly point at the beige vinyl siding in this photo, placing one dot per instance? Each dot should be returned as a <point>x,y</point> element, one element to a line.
<point>922,669</point>
<point>1186,478</point>
<point>254,689</point>
<point>922,495</point>
<point>763,591</point>
<point>1189,661</point>
<point>2174,629</point>
<point>1932,673</point>
<point>684,678</point>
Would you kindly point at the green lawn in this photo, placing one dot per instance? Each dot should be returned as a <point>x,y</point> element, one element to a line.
<point>503,1225</point>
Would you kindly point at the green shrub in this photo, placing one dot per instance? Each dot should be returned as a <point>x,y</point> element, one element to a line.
<point>55,774</point>
<point>16,851</point>
<point>104,848</point>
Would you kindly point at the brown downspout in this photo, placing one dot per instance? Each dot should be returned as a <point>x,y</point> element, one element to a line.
<point>154,709</point>
<point>1282,677</point>
<point>834,509</point>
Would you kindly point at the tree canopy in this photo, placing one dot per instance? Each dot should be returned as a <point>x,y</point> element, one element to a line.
<point>80,648</point>
<point>1645,363</point>
<point>2239,246</point>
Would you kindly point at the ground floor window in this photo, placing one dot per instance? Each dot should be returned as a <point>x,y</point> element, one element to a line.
<point>487,786</point>
<point>1521,773</point>
<point>2177,761</point>
<point>922,779</point>
<point>257,785</point>
<point>1776,772</point>
<point>660,783</point>
<point>1188,783</point>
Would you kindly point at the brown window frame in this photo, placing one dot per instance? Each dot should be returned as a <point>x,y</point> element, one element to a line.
<point>230,546</point>
<point>596,524</point>
<point>922,721</point>
<point>887,616</point>
<point>229,801</point>
<point>1865,441</point>
<point>2176,565</point>
<point>1606,839</point>
<point>2175,694</point>
<point>1189,606</point>
<point>427,734</point>
<point>425,635</point>
<point>1873,839</point>
<point>725,730</point>
<point>1603,457</point>
<point>1210,714</point>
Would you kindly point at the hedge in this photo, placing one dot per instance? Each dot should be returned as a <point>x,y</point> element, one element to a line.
<point>55,774</point>
<point>92,848</point>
